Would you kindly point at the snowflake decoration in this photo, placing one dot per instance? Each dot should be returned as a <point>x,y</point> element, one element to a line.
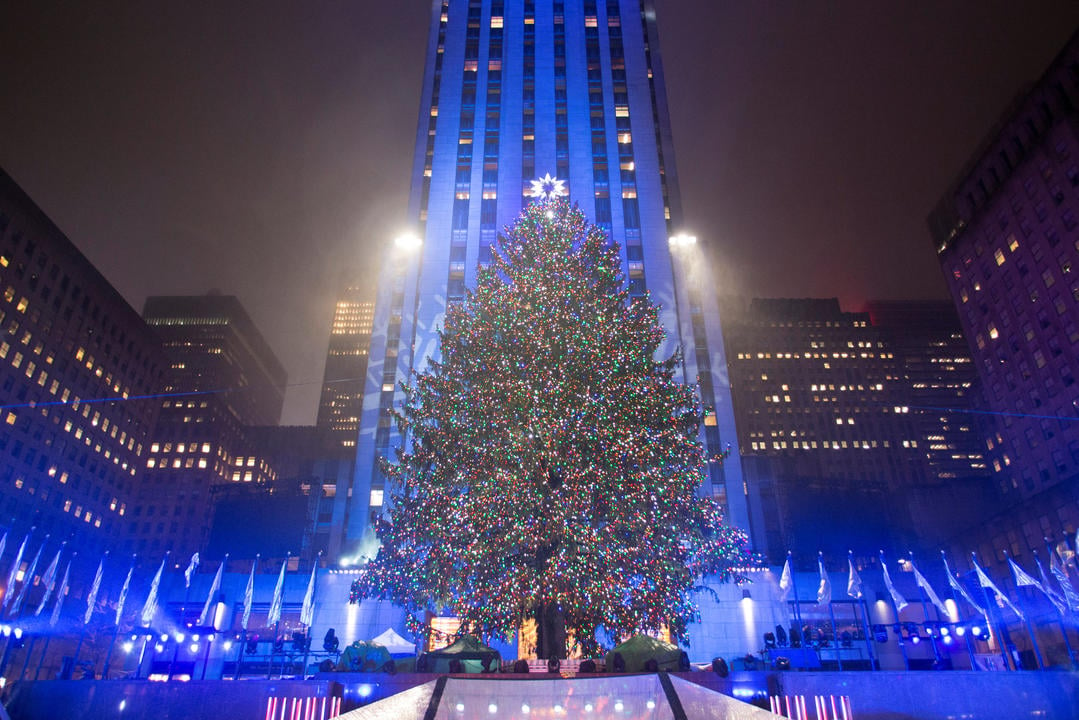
<point>548,188</point>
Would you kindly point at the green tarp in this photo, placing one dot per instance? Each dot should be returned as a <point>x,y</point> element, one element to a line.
<point>469,650</point>
<point>639,649</point>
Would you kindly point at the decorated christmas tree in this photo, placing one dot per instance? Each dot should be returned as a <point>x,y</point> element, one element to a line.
<point>551,461</point>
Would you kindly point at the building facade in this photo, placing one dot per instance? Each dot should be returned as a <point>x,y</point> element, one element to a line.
<point>341,402</point>
<point>221,377</point>
<point>514,91</point>
<point>1007,237</point>
<point>78,372</point>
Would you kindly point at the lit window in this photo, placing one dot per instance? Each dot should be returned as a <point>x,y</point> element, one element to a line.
<point>10,418</point>
<point>999,255</point>
<point>376,498</point>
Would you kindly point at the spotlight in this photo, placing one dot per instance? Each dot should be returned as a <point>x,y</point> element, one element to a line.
<point>976,631</point>
<point>915,639</point>
<point>948,639</point>
<point>128,646</point>
<point>960,630</point>
<point>194,648</point>
<point>228,645</point>
<point>945,631</point>
<point>159,648</point>
<point>179,637</point>
<point>164,638</point>
<point>769,641</point>
<point>330,643</point>
<point>746,595</point>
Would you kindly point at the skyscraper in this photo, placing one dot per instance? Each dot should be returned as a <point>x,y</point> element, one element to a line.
<point>1007,238</point>
<point>221,378</point>
<point>512,92</point>
<point>77,366</point>
<point>346,364</point>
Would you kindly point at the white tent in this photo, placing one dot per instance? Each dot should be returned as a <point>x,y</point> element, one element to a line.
<point>394,643</point>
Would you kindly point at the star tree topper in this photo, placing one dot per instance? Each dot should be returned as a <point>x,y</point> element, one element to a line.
<point>548,188</point>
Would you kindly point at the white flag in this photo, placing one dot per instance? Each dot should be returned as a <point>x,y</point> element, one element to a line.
<point>249,594</point>
<point>824,591</point>
<point>1022,578</point>
<point>958,587</point>
<point>985,582</point>
<point>3,544</point>
<point>854,581</point>
<point>123,594</point>
<point>149,609</point>
<point>60,596</point>
<point>1047,588</point>
<point>94,588</point>
<point>307,612</point>
<point>899,601</point>
<point>191,567</point>
<point>1071,597</point>
<point>9,589</point>
<point>278,596</point>
<point>215,586</point>
<point>49,580</point>
<point>786,582</point>
<point>928,590</point>
<point>27,581</point>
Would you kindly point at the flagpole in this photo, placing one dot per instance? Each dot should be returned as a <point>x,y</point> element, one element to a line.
<point>860,602</point>
<point>925,614</point>
<point>898,625</point>
<point>797,606</point>
<point>955,599</point>
<point>1063,626</point>
<point>831,612</point>
<point>1000,629</point>
<point>1030,626</point>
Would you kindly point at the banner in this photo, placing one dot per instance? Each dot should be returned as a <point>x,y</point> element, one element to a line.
<point>215,586</point>
<point>899,601</point>
<point>854,581</point>
<point>55,618</point>
<point>307,612</point>
<point>149,609</point>
<point>94,588</point>
<point>278,596</point>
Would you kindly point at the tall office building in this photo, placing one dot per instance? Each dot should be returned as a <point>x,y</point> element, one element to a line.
<point>517,90</point>
<point>341,402</point>
<point>77,364</point>
<point>221,377</point>
<point>1007,237</point>
<point>828,439</point>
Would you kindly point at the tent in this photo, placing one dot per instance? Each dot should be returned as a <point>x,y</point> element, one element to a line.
<point>395,644</point>
<point>363,657</point>
<point>469,650</point>
<point>639,649</point>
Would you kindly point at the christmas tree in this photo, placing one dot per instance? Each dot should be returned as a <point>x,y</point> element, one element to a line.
<point>552,463</point>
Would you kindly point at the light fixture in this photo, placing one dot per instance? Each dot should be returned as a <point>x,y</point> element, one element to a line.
<point>746,595</point>
<point>682,240</point>
<point>408,242</point>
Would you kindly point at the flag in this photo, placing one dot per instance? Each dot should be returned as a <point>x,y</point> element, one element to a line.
<point>824,591</point>
<point>986,582</point>
<point>149,609</point>
<point>786,581</point>
<point>191,567</point>
<point>27,581</point>
<point>1071,597</point>
<point>60,596</point>
<point>94,588</point>
<point>1022,579</point>
<point>957,587</point>
<point>928,590</point>
<point>1047,588</point>
<point>205,617</point>
<point>123,594</point>
<point>3,543</point>
<point>854,581</point>
<point>897,599</point>
<point>49,580</point>
<point>307,612</point>
<point>278,596</point>
<point>249,594</point>
<point>10,587</point>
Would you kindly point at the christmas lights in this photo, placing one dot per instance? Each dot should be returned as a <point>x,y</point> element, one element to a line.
<point>551,459</point>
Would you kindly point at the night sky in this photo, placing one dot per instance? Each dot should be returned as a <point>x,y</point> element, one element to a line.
<point>259,148</point>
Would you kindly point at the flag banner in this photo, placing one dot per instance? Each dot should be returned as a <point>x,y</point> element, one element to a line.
<point>928,590</point>
<point>854,581</point>
<point>278,596</point>
<point>55,618</point>
<point>899,601</point>
<point>1071,597</point>
<point>94,588</point>
<point>958,587</point>
<point>824,590</point>
<point>215,586</point>
<point>3,544</point>
<point>786,582</point>
<point>191,568</point>
<point>986,582</point>
<point>49,579</point>
<point>10,587</point>
<point>307,612</point>
<point>149,609</point>
<point>1047,588</point>
<point>1022,578</point>
<point>123,594</point>
<point>249,594</point>
<point>27,581</point>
